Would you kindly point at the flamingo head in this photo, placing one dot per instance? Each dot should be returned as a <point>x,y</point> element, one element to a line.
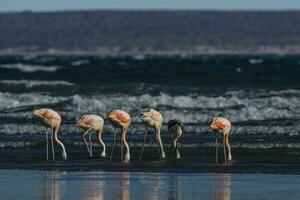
<point>145,116</point>
<point>212,124</point>
<point>80,122</point>
<point>151,118</point>
<point>38,112</point>
<point>111,115</point>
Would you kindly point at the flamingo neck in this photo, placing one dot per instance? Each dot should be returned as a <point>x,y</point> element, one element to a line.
<point>127,155</point>
<point>64,154</point>
<point>103,154</point>
<point>158,138</point>
<point>174,142</point>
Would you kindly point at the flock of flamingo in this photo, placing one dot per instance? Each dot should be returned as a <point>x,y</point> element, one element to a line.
<point>121,120</point>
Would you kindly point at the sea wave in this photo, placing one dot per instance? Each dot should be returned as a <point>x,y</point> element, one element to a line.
<point>10,100</point>
<point>80,62</point>
<point>190,109</point>
<point>27,68</point>
<point>35,83</point>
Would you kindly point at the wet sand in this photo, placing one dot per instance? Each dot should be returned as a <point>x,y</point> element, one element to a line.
<point>31,184</point>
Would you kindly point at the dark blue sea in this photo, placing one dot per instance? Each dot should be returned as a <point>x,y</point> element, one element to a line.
<point>259,94</point>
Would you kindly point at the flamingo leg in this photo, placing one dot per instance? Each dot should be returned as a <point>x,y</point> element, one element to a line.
<point>145,137</point>
<point>91,145</point>
<point>47,150</point>
<point>52,143</point>
<point>113,148</point>
<point>86,144</point>
<point>158,148</point>
<point>224,149</point>
<point>121,151</point>
<point>217,148</point>
<point>177,151</point>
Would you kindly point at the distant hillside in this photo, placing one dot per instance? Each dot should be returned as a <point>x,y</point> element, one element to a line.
<point>149,31</point>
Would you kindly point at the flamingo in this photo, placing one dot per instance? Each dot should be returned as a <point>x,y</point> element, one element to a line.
<point>53,120</point>
<point>153,119</point>
<point>222,126</point>
<point>96,123</point>
<point>120,119</point>
<point>175,127</point>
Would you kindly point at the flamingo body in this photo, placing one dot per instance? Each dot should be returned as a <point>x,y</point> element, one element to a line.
<point>120,119</point>
<point>51,119</point>
<point>96,123</point>
<point>222,126</point>
<point>154,119</point>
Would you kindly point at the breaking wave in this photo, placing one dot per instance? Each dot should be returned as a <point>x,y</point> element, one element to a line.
<point>237,106</point>
<point>34,83</point>
<point>30,68</point>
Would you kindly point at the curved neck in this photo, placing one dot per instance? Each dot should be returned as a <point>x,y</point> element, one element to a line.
<point>158,139</point>
<point>64,154</point>
<point>124,139</point>
<point>101,142</point>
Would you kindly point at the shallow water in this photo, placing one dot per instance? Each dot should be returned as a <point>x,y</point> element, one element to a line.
<point>14,184</point>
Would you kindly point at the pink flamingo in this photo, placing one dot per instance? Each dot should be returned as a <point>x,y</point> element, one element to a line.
<point>120,119</point>
<point>96,123</point>
<point>222,126</point>
<point>153,119</point>
<point>53,120</point>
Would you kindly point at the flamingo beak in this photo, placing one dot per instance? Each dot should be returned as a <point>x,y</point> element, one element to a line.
<point>110,116</point>
<point>210,123</point>
<point>35,112</point>
<point>77,123</point>
<point>142,115</point>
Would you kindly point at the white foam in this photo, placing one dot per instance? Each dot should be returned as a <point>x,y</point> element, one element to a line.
<point>9,100</point>
<point>30,68</point>
<point>255,61</point>
<point>190,109</point>
<point>80,62</point>
<point>249,108</point>
<point>35,83</point>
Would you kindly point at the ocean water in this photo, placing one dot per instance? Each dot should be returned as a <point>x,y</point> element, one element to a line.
<point>259,94</point>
